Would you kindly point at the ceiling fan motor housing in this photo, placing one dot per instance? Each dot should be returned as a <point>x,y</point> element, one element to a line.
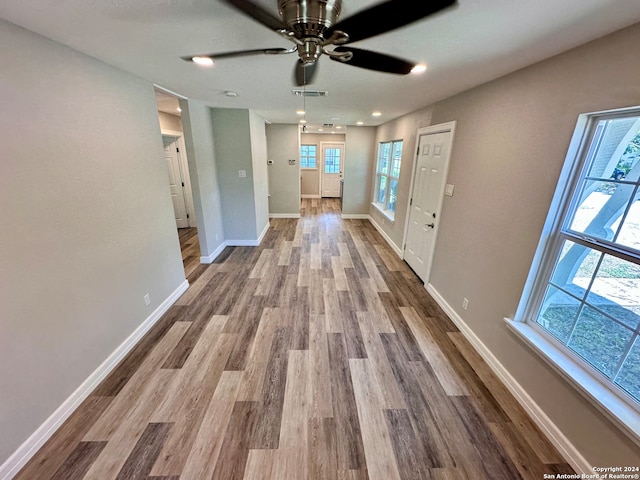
<point>309,18</point>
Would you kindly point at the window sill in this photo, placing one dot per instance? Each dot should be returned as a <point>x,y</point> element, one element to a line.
<point>603,398</point>
<point>388,215</point>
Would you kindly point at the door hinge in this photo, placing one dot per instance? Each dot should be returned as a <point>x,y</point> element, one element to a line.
<point>418,150</point>
<point>183,184</point>
<point>405,247</point>
<point>178,149</point>
<point>411,202</point>
<point>187,215</point>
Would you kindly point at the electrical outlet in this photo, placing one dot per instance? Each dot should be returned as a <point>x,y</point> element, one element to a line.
<point>465,303</point>
<point>147,299</point>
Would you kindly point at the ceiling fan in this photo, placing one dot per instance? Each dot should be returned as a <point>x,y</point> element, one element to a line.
<point>313,27</point>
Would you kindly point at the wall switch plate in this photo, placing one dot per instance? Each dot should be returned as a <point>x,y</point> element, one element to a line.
<point>292,162</point>
<point>147,299</point>
<point>448,190</point>
<point>242,173</point>
<point>465,303</point>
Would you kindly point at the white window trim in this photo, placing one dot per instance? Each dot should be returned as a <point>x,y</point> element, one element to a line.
<point>387,213</point>
<point>301,156</point>
<point>382,208</point>
<point>602,395</point>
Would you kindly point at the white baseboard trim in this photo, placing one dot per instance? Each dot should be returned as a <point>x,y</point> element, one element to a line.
<point>29,448</point>
<point>393,246</point>
<point>355,216</point>
<point>284,215</point>
<point>214,255</point>
<point>539,417</point>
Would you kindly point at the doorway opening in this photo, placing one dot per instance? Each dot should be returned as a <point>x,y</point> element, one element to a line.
<point>175,158</point>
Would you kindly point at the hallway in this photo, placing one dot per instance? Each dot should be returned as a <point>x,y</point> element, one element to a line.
<point>317,355</point>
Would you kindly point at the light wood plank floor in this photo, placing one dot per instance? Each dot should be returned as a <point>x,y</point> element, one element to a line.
<point>316,355</point>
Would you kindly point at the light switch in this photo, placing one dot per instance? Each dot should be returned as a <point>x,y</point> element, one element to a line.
<point>448,190</point>
<point>242,173</point>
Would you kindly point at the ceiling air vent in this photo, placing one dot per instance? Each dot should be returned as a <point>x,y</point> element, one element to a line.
<point>327,125</point>
<point>310,93</point>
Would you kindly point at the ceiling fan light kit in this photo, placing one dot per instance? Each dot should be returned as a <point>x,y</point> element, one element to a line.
<point>313,26</point>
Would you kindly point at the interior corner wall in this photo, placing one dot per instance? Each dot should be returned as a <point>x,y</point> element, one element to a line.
<point>260,173</point>
<point>403,128</point>
<point>360,153</point>
<point>232,143</point>
<point>283,144</point>
<point>88,224</point>
<point>169,122</point>
<point>198,137</point>
<point>510,144</point>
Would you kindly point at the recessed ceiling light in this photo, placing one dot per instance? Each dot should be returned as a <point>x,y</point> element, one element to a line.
<point>203,61</point>
<point>303,121</point>
<point>419,68</point>
<point>338,127</point>
<point>178,109</point>
<point>321,129</point>
<point>231,93</point>
<point>360,123</point>
<point>300,112</point>
<point>376,114</point>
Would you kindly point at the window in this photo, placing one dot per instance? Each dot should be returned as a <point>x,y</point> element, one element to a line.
<point>584,293</point>
<point>331,160</point>
<point>387,176</point>
<point>308,156</point>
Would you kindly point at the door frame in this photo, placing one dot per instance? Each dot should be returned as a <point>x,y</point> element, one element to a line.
<point>184,171</point>
<point>448,127</point>
<point>321,169</point>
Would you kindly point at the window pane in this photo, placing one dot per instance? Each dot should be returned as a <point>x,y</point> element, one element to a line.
<point>600,208</point>
<point>384,155</point>
<point>629,234</point>
<point>332,160</point>
<point>382,189</point>
<point>558,313</point>
<point>629,376</point>
<point>615,149</point>
<point>575,268</point>
<point>600,340</point>
<point>393,194</point>
<point>616,290</point>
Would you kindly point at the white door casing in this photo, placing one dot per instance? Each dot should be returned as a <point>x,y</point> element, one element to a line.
<point>429,177</point>
<point>176,182</point>
<point>332,168</point>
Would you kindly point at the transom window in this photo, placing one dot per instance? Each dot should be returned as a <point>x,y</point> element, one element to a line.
<point>388,175</point>
<point>586,295</point>
<point>308,156</point>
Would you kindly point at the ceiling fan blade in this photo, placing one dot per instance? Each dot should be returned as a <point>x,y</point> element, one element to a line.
<point>375,61</point>
<point>241,53</point>
<point>258,13</point>
<point>386,16</point>
<point>305,72</point>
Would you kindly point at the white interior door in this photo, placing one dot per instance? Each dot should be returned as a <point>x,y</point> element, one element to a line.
<point>176,182</point>
<point>332,166</point>
<point>428,189</point>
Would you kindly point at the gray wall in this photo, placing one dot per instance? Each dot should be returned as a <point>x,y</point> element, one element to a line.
<point>198,137</point>
<point>88,225</point>
<point>284,179</point>
<point>510,143</point>
<point>360,153</point>
<point>232,143</point>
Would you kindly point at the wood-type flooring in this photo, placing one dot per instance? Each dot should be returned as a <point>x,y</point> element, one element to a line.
<point>317,355</point>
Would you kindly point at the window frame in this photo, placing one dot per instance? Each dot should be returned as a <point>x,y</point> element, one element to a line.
<point>601,391</point>
<point>388,174</point>
<point>315,157</point>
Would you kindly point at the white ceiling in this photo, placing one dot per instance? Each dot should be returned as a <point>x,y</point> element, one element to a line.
<point>476,42</point>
